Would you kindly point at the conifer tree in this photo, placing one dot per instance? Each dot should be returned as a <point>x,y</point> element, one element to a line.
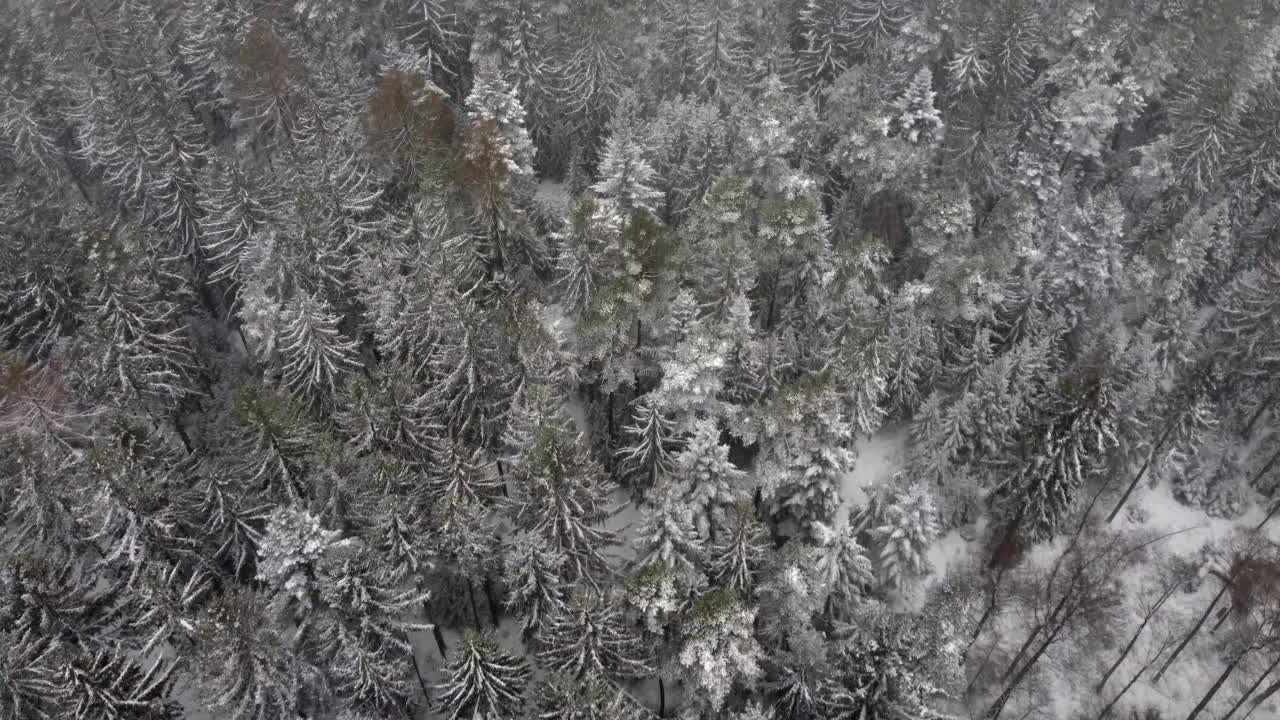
<point>484,681</point>
<point>739,552</point>
<point>564,697</point>
<point>367,613</point>
<point>846,570</point>
<point>536,586</point>
<point>718,649</point>
<point>650,452</point>
<point>908,525</point>
<point>626,177</point>
<point>243,661</point>
<point>589,636</point>
<point>1063,443</point>
<point>711,483</point>
<point>109,684</point>
<point>28,676</point>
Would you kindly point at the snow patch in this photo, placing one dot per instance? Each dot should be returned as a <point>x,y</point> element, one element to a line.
<point>879,457</point>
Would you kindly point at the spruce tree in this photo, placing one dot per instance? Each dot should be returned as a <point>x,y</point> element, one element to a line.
<point>484,681</point>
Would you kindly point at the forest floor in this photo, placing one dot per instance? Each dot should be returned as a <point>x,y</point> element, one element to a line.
<point>1185,533</point>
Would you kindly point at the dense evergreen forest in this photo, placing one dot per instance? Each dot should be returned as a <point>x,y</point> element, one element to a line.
<point>634,359</point>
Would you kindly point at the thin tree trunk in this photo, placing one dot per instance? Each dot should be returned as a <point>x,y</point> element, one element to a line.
<point>1265,469</point>
<point>1275,508</point>
<point>1257,415</point>
<point>662,698</point>
<point>502,475</point>
<point>1223,614</point>
<point>1272,689</point>
<point>986,613</point>
<point>1053,618</point>
<point>609,419</point>
<point>1133,640</point>
<point>440,644</point>
<point>1142,471</point>
<point>1217,684</point>
<point>997,707</point>
<point>1252,687</point>
<point>435,632</point>
<point>978,674</point>
<point>1192,633</point>
<point>1132,681</point>
<point>488,595</point>
<point>182,433</point>
<point>471,595</point>
<point>417,671</point>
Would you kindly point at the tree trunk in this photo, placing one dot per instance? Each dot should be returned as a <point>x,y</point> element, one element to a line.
<point>440,644</point>
<point>1265,469</point>
<point>1192,633</point>
<point>1133,640</point>
<point>1053,618</point>
<point>502,475</point>
<point>1275,508</point>
<point>997,707</point>
<point>1257,415</point>
<point>1217,684</point>
<point>471,595</point>
<point>662,698</point>
<point>417,671</point>
<point>1132,681</point>
<point>1142,471</point>
<point>1272,689</point>
<point>986,613</point>
<point>488,595</point>
<point>182,432</point>
<point>609,420</point>
<point>1252,687</point>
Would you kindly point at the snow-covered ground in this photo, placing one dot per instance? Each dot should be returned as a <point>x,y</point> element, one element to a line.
<point>878,458</point>
<point>1184,532</point>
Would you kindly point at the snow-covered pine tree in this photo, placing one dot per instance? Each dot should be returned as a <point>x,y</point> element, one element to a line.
<point>459,474</point>
<point>235,205</point>
<point>830,39</point>
<point>290,551</point>
<point>565,697</point>
<point>485,680</point>
<point>687,146</point>
<point>710,483</point>
<point>108,683</point>
<point>590,636</point>
<point>907,526</point>
<point>627,180</point>
<point>243,660</point>
<point>29,663</point>
<point>314,356</point>
<point>385,412</point>
<point>877,676</point>
<point>362,629</point>
<point>739,552</point>
<point>557,489</point>
<point>718,648</point>
<point>534,577</point>
<point>816,463</point>
<point>270,443</point>
<point>129,502</point>
<point>497,153</point>
<point>1071,426</point>
<point>649,454</point>
<point>846,570</point>
<point>137,339</point>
